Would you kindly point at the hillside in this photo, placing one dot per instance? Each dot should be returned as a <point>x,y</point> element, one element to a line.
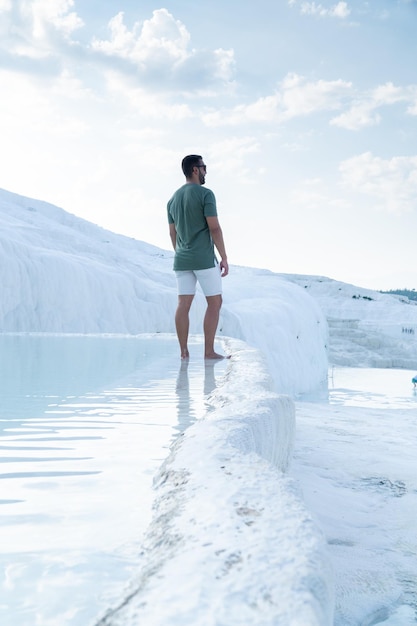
<point>366,328</point>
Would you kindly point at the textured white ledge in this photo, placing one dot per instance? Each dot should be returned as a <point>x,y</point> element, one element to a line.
<point>231,541</point>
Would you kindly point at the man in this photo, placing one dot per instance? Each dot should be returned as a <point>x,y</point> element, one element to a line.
<point>194,230</point>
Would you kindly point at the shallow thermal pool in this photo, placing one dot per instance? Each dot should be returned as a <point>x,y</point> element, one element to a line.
<point>372,387</point>
<point>85,422</point>
<point>355,460</point>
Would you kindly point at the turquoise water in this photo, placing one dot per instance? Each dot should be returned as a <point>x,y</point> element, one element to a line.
<point>85,423</point>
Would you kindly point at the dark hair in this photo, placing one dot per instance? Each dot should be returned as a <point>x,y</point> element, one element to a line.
<point>189,162</point>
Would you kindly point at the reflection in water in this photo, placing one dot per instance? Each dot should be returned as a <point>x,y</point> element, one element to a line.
<point>184,406</point>
<point>192,405</point>
<point>209,378</point>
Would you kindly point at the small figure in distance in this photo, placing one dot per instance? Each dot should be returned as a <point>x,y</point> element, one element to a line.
<point>414,380</point>
<point>194,231</point>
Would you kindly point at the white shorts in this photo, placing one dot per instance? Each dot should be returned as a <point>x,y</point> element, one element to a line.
<point>210,281</point>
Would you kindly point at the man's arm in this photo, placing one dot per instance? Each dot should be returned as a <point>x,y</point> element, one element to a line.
<point>217,236</point>
<point>173,235</point>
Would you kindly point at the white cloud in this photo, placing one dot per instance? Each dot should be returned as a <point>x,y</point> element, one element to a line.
<point>313,194</point>
<point>230,154</point>
<point>121,41</point>
<point>224,64</point>
<point>301,97</point>
<point>160,49</point>
<point>155,52</point>
<point>44,14</point>
<point>412,93</point>
<point>160,38</point>
<point>388,94</point>
<point>360,115</point>
<point>144,103</point>
<point>164,34</point>
<point>339,10</point>
<point>363,112</point>
<point>70,87</point>
<point>391,182</point>
<point>36,30</point>
<point>295,97</point>
<point>39,113</point>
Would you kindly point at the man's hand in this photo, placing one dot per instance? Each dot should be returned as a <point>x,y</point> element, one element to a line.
<point>224,268</point>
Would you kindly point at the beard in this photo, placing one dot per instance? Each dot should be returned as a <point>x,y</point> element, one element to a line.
<point>202,178</point>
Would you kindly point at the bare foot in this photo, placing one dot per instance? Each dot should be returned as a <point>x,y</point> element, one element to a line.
<point>214,355</point>
<point>185,354</point>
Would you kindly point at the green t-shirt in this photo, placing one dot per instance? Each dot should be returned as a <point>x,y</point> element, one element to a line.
<point>187,210</point>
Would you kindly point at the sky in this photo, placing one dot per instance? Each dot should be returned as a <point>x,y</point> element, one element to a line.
<point>305,113</point>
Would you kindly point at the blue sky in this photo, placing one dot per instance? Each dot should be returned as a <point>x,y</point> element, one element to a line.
<point>305,113</point>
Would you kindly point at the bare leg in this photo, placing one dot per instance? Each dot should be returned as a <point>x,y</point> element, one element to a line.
<point>211,321</point>
<point>182,323</point>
